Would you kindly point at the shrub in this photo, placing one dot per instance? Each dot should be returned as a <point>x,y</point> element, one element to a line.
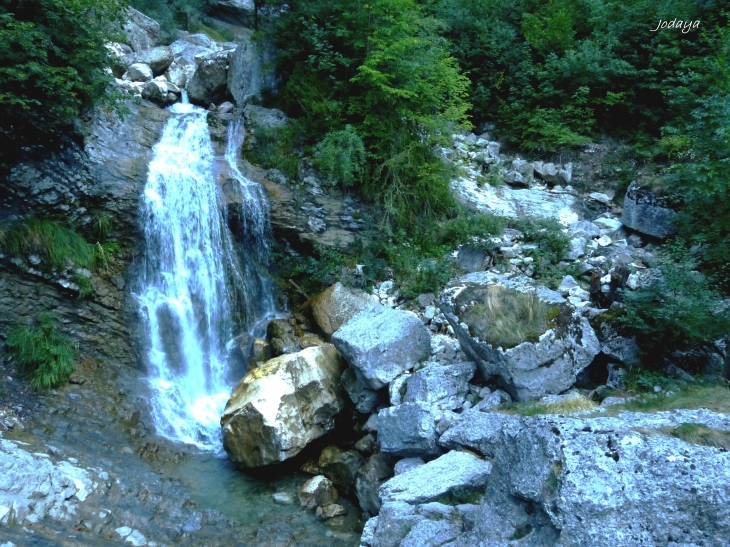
<point>504,317</point>
<point>340,157</point>
<point>275,148</point>
<point>54,63</point>
<point>675,311</point>
<point>47,357</point>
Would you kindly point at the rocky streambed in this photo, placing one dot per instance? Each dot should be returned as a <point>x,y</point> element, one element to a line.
<point>84,467</point>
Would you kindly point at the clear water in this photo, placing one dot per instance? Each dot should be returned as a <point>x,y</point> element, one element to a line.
<point>197,286</point>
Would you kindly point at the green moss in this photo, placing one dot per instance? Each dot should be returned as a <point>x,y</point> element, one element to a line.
<point>460,496</point>
<point>610,317</point>
<point>46,356</point>
<point>504,317</point>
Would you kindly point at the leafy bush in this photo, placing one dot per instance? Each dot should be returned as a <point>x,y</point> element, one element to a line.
<point>340,157</point>
<point>46,356</point>
<point>53,62</point>
<point>504,317</point>
<point>675,312</point>
<point>560,72</point>
<point>275,148</point>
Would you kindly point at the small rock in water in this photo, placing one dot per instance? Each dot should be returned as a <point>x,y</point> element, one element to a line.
<point>283,498</point>
<point>317,491</point>
<point>330,511</point>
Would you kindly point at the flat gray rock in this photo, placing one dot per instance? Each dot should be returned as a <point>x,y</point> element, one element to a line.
<point>453,472</point>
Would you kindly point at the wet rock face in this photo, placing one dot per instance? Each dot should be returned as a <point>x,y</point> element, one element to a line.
<point>251,70</point>
<point>107,176</point>
<point>208,84</point>
<point>281,406</point>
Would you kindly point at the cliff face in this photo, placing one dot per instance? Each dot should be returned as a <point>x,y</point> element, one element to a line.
<point>102,180</point>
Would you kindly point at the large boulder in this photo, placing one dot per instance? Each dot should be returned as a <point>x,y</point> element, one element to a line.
<point>624,481</point>
<point>269,118</point>
<point>251,70</point>
<point>380,343</point>
<point>155,91</point>
<point>443,386</point>
<point>645,213</point>
<point>403,525</point>
<point>281,406</point>
<point>408,430</point>
<point>237,12</point>
<point>336,305</point>
<point>138,72</point>
<point>158,59</point>
<point>208,83</point>
<point>141,32</point>
<point>547,364</point>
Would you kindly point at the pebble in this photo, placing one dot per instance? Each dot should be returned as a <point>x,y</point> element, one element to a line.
<point>283,498</point>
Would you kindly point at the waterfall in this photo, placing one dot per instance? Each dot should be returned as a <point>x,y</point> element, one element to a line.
<point>196,286</point>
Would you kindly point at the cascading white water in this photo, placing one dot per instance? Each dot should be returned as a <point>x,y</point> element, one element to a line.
<point>191,281</point>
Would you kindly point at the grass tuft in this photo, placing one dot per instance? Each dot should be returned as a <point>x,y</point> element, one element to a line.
<point>46,356</point>
<point>699,434</point>
<point>504,317</point>
<point>53,242</point>
<point>570,405</point>
<point>692,397</point>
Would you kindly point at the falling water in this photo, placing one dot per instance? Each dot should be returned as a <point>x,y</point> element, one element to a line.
<point>195,283</point>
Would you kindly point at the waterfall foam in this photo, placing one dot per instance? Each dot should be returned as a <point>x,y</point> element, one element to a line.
<point>194,282</point>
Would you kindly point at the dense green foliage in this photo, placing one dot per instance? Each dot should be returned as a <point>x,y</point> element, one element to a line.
<point>561,72</point>
<point>53,61</point>
<point>340,157</point>
<point>382,69</point>
<point>45,355</point>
